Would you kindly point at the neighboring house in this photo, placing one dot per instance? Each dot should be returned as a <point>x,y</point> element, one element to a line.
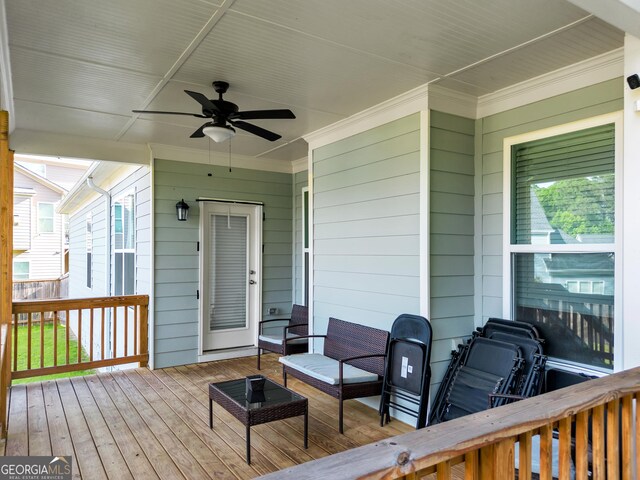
<point>109,235</point>
<point>39,231</point>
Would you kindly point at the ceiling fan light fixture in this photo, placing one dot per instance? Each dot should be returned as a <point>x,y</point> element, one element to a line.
<point>219,133</point>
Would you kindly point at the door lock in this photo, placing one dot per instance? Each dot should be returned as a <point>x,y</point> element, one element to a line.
<point>252,272</point>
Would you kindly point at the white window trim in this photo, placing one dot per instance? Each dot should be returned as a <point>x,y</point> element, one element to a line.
<point>120,200</point>
<point>306,238</point>
<point>508,249</point>
<point>28,262</point>
<point>53,217</point>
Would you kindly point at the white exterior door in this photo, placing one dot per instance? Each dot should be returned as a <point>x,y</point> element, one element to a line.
<point>231,274</point>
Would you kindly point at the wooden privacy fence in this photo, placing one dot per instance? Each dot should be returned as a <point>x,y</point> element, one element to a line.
<point>112,330</point>
<point>594,425</point>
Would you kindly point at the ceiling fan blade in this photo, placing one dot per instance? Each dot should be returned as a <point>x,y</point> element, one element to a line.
<point>199,133</point>
<point>198,115</point>
<point>259,114</point>
<point>261,132</point>
<point>207,104</point>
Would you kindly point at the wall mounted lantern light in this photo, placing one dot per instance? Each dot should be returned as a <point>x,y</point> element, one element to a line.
<point>182,210</point>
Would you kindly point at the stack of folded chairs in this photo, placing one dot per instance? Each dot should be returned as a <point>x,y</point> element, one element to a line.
<point>504,361</point>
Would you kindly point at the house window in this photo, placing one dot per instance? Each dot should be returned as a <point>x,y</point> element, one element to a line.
<point>561,230</point>
<point>89,248</point>
<point>124,245</point>
<point>20,270</point>
<point>45,217</point>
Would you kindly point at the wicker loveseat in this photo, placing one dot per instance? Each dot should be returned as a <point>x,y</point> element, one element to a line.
<point>351,365</point>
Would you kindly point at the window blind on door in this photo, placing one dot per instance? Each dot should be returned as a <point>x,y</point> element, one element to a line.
<point>228,272</point>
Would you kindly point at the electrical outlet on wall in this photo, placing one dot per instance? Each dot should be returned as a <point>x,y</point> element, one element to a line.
<point>273,311</point>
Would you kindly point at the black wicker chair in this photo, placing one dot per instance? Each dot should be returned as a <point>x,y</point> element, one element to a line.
<point>295,330</point>
<point>346,345</point>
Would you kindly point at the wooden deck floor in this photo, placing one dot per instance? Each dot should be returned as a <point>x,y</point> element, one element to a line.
<point>154,424</point>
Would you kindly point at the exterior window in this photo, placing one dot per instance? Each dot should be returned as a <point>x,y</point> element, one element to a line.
<point>20,270</point>
<point>124,245</point>
<point>89,248</point>
<point>562,254</point>
<point>45,217</point>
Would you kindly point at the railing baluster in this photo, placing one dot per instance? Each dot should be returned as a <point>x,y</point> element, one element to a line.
<point>443,471</point>
<point>471,470</point>
<point>126,331</point>
<point>546,451</point>
<point>486,462</point>
<point>79,347</point>
<point>29,318</point>
<point>91,335</point>
<point>136,314</point>
<point>102,329</point>
<point>564,455</point>
<point>524,471</point>
<point>16,316</point>
<point>613,429</point>
<point>114,327</point>
<point>582,440</point>
<point>504,460</point>
<point>143,338</point>
<point>55,338</point>
<point>597,442</point>
<point>66,336</point>
<point>627,435</point>
<point>42,340</point>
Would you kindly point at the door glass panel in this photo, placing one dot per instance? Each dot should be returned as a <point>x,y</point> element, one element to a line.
<point>228,272</point>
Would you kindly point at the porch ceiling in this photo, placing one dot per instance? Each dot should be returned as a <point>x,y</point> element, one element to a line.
<point>78,67</point>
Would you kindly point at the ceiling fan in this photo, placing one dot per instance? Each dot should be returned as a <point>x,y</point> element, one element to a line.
<point>223,114</point>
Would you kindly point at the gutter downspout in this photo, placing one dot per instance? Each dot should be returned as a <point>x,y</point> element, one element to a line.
<point>107,263</point>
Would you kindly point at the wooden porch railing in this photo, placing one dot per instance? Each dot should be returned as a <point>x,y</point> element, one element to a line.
<point>87,319</point>
<point>596,422</point>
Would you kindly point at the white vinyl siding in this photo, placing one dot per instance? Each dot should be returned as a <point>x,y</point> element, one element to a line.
<point>584,103</point>
<point>451,235</point>
<point>366,226</point>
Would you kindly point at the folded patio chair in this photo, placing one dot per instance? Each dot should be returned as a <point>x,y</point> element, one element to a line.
<point>486,366</point>
<point>273,338</point>
<point>407,369</point>
<point>525,336</point>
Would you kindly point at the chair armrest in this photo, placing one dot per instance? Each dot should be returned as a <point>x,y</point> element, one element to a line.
<point>357,357</point>
<point>272,320</point>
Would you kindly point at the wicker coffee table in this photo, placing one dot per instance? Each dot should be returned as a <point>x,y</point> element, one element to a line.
<point>275,403</point>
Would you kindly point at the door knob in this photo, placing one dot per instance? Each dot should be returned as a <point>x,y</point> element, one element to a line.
<point>252,282</point>
<point>252,272</point>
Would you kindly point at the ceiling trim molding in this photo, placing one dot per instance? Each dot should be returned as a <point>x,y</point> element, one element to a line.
<point>194,155</point>
<point>450,101</point>
<point>583,74</point>
<point>6,85</point>
<point>397,107</point>
<point>300,165</point>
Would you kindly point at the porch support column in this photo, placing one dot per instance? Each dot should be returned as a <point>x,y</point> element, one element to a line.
<point>630,311</point>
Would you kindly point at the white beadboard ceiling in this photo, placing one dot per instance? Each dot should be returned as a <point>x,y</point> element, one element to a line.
<point>79,67</point>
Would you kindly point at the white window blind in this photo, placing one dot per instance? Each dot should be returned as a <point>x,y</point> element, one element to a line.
<point>228,272</point>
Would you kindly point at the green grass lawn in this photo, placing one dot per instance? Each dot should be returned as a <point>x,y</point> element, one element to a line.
<point>48,352</point>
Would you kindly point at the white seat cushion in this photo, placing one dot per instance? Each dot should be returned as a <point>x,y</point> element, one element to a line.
<point>278,340</point>
<point>326,369</point>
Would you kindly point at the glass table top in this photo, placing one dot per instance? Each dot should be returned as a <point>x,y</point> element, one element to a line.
<point>272,394</point>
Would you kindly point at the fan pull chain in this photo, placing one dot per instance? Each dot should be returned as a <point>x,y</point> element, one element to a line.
<point>229,155</point>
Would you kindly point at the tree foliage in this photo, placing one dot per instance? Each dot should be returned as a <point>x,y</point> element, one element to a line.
<point>579,205</point>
